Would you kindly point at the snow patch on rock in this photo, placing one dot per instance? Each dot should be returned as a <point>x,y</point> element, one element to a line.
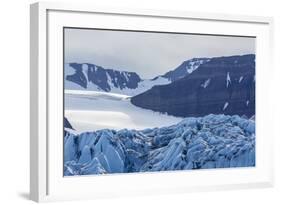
<point>206,83</point>
<point>225,105</point>
<point>228,80</point>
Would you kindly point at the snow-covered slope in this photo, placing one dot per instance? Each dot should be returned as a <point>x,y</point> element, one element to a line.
<point>147,84</point>
<point>213,141</point>
<point>93,110</point>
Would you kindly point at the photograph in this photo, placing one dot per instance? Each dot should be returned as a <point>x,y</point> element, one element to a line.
<point>150,101</point>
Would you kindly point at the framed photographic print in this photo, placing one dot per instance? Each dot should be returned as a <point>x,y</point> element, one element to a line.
<point>127,102</point>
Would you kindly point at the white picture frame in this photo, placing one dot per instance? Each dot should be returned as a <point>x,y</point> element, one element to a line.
<point>46,176</point>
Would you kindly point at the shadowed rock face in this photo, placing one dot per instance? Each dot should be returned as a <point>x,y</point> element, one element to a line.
<point>67,123</point>
<point>221,85</point>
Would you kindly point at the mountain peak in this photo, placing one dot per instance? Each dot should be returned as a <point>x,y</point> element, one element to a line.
<point>185,68</point>
<point>97,78</point>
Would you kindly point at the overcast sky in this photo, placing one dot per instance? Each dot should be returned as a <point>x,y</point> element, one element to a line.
<point>148,54</point>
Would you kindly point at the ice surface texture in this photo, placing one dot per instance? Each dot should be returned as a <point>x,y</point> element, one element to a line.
<point>213,141</point>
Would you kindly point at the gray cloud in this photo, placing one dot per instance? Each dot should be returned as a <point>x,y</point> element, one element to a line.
<point>148,54</point>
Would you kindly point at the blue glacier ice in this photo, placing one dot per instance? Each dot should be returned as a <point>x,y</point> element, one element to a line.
<point>213,141</point>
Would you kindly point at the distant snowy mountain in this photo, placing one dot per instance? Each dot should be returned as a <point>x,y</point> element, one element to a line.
<point>96,78</point>
<point>197,87</point>
<point>87,76</point>
<point>93,77</point>
<point>221,85</point>
<point>213,141</point>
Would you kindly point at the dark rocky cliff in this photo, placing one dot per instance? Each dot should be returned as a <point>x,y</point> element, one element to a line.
<point>221,85</point>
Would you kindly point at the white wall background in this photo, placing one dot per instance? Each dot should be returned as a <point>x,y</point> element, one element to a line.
<point>14,101</point>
